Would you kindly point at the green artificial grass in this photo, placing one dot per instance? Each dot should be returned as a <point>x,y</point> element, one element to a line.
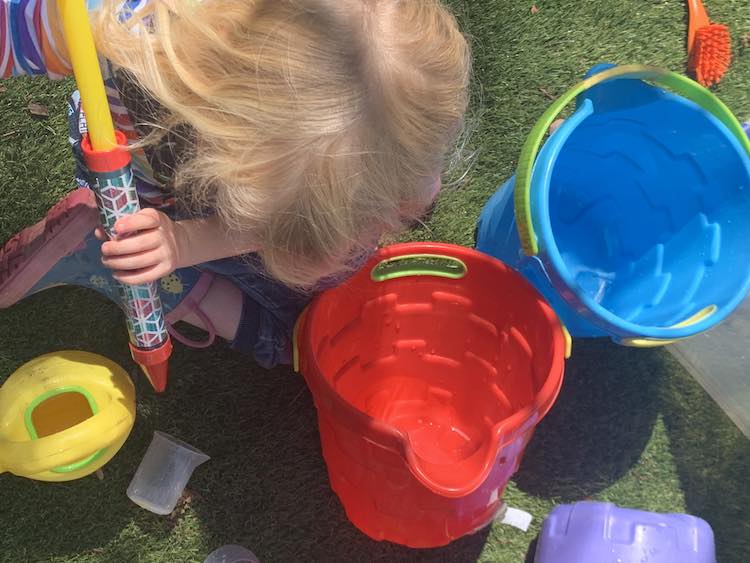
<point>630,426</point>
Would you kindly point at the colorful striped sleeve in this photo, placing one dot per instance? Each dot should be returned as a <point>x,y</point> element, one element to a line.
<point>31,41</point>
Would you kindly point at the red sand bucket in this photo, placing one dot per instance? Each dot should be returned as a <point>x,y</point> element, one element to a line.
<point>430,369</point>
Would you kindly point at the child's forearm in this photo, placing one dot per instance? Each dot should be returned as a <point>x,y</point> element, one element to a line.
<point>204,240</point>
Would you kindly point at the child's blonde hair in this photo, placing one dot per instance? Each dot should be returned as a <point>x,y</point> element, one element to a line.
<point>317,124</point>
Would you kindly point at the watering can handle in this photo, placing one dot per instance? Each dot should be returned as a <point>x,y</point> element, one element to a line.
<point>67,447</point>
<point>676,82</point>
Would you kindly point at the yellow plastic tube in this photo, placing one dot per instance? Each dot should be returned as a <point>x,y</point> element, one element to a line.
<point>80,41</point>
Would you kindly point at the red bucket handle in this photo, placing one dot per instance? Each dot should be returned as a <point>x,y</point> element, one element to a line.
<point>423,259</point>
<point>423,264</point>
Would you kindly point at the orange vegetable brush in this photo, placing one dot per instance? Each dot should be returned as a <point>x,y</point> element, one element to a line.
<point>709,46</point>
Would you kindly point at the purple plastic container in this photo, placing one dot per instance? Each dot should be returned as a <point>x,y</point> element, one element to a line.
<point>594,532</point>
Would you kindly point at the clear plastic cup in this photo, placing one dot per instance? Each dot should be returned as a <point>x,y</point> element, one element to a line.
<point>162,475</point>
<point>232,554</point>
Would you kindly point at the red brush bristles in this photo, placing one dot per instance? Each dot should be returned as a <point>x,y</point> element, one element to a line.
<point>712,54</point>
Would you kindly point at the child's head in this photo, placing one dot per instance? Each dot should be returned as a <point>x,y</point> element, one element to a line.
<point>318,125</point>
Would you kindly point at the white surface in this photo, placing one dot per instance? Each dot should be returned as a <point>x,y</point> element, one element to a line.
<point>516,518</point>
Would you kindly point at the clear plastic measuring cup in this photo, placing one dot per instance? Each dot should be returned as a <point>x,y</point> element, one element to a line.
<point>162,475</point>
<point>232,554</point>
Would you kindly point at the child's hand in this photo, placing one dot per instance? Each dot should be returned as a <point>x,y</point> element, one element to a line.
<point>150,254</point>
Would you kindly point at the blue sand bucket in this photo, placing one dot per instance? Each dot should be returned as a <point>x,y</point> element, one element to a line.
<point>634,218</point>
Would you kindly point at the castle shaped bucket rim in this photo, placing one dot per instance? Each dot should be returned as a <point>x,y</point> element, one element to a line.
<point>531,194</point>
<point>396,440</point>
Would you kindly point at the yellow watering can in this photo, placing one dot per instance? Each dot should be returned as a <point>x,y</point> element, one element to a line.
<point>64,415</point>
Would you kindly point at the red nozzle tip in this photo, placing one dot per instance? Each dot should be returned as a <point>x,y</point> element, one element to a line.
<point>157,375</point>
<point>155,364</point>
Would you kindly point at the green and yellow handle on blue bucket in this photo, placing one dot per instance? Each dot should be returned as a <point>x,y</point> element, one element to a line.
<point>678,84</point>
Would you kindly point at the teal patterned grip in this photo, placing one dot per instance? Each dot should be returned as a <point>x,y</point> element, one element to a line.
<point>117,197</point>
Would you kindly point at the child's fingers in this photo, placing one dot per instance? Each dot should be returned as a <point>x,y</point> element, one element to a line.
<point>144,275</point>
<point>100,234</point>
<point>138,261</point>
<point>148,240</point>
<point>141,221</point>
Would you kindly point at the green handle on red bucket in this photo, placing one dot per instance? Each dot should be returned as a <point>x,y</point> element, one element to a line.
<point>408,265</point>
<point>681,85</point>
